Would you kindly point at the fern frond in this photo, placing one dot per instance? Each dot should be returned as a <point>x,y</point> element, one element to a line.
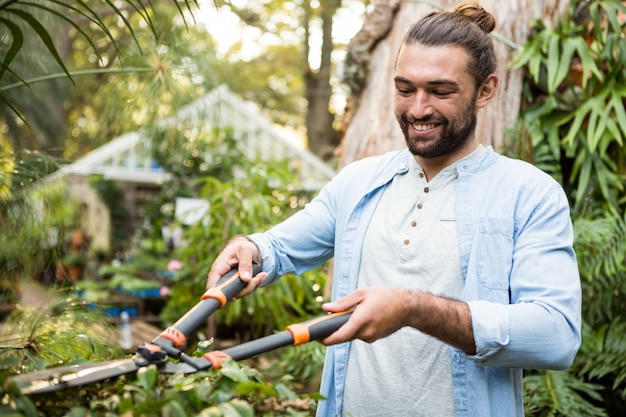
<point>609,356</point>
<point>600,245</point>
<point>559,393</point>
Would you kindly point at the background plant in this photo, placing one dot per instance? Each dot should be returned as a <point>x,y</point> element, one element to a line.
<point>23,20</point>
<point>573,126</point>
<point>261,195</point>
<point>113,197</point>
<point>234,390</point>
<point>32,219</point>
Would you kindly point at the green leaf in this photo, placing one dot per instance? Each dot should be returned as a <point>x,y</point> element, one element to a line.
<point>612,10</point>
<point>9,102</point>
<point>588,63</point>
<point>147,376</point>
<point>175,409</point>
<point>93,17</point>
<point>579,117</point>
<point>617,104</point>
<point>583,164</point>
<point>43,35</point>
<point>565,61</point>
<point>524,55</point>
<point>232,370</point>
<point>145,15</point>
<point>16,44</point>
<point>554,52</point>
<point>236,408</point>
<point>68,19</point>
<point>126,22</point>
<point>243,408</point>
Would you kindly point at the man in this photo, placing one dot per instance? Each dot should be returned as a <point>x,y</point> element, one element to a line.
<point>458,262</point>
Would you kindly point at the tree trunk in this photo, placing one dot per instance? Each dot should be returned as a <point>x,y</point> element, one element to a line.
<point>370,124</point>
<point>321,135</point>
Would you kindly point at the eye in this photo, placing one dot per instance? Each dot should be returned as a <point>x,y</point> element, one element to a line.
<point>404,91</point>
<point>440,93</point>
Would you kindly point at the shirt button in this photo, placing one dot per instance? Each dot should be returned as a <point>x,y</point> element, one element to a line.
<point>426,189</point>
<point>420,175</point>
<point>419,205</point>
<point>402,166</point>
<point>413,224</point>
<point>406,242</point>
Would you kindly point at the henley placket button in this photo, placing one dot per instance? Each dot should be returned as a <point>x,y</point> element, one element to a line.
<point>406,242</point>
<point>426,189</point>
<point>419,205</point>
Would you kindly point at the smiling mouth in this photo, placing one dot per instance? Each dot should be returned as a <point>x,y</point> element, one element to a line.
<point>420,127</point>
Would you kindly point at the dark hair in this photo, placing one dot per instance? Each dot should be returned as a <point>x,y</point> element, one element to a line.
<point>467,26</point>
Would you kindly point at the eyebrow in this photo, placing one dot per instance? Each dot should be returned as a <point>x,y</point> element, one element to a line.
<point>444,82</point>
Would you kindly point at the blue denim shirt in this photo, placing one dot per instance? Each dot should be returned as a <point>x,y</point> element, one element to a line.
<point>520,272</point>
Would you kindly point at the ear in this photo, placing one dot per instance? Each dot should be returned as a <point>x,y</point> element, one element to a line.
<point>487,91</point>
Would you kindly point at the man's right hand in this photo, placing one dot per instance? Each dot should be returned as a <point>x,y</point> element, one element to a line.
<point>241,252</point>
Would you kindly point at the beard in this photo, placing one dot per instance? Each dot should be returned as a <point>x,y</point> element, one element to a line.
<point>454,134</point>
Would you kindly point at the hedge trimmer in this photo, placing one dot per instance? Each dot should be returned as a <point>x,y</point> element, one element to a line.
<point>165,350</point>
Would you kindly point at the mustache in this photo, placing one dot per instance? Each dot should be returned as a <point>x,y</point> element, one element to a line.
<point>407,118</point>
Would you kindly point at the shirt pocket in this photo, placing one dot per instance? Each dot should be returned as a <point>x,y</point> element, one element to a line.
<point>495,252</point>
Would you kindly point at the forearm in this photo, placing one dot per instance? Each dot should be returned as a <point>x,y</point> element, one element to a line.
<point>445,319</point>
<point>380,311</point>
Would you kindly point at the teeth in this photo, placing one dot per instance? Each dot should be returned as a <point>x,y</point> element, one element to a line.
<point>420,127</point>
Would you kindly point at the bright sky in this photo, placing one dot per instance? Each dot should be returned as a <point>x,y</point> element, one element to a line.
<point>226,28</point>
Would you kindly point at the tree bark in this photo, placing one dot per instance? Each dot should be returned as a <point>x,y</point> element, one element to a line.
<point>370,126</point>
<point>321,135</point>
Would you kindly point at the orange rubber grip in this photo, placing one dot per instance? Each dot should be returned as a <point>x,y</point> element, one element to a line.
<point>300,333</point>
<point>216,292</point>
<point>316,328</point>
<point>152,347</point>
<point>174,335</point>
<point>216,357</point>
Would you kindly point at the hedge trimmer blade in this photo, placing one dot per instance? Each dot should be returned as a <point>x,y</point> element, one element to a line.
<point>167,344</point>
<point>57,379</point>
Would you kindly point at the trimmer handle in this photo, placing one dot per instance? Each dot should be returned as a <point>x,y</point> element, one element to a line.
<point>213,299</point>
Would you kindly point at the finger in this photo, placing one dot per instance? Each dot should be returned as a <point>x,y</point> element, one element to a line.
<point>239,251</point>
<point>345,333</point>
<point>220,268</point>
<point>253,284</point>
<point>343,304</point>
<point>245,267</point>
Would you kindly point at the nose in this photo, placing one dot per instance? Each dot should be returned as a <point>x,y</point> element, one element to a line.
<point>421,105</point>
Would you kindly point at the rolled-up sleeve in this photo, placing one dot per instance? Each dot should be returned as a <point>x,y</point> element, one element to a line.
<point>540,326</point>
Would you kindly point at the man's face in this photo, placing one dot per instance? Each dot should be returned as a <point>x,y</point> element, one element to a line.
<point>435,101</point>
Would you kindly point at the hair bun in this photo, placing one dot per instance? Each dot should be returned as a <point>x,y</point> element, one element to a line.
<point>477,14</point>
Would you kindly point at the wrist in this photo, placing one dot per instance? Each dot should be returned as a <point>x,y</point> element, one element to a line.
<point>413,306</point>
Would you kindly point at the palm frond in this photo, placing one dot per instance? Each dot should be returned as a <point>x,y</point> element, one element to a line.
<point>16,44</point>
<point>69,20</point>
<point>26,12</point>
<point>43,34</point>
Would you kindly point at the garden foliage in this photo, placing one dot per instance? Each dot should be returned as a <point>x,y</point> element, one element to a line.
<point>573,126</point>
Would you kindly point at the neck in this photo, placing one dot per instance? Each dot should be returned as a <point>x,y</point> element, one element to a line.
<point>432,166</point>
